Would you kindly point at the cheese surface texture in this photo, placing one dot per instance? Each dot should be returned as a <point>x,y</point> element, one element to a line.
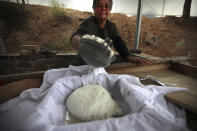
<point>92,102</point>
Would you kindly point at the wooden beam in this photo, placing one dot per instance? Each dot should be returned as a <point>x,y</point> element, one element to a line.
<point>14,89</point>
<point>19,76</point>
<point>185,99</point>
<point>126,68</point>
<point>185,69</point>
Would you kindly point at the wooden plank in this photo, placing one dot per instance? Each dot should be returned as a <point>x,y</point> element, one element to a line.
<point>29,47</point>
<point>156,59</point>
<point>12,90</point>
<point>126,68</point>
<point>10,55</point>
<point>14,77</point>
<point>171,78</point>
<point>183,76</point>
<point>185,69</point>
<point>185,99</point>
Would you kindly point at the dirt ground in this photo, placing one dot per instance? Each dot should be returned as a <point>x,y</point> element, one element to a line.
<point>34,25</point>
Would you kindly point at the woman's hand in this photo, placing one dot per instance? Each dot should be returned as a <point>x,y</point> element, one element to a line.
<point>75,42</point>
<point>137,60</point>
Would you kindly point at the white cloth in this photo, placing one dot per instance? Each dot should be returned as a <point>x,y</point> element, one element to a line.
<point>44,108</point>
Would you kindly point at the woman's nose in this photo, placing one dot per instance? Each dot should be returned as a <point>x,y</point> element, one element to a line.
<point>103,7</point>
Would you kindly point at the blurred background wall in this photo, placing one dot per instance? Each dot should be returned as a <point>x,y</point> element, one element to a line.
<point>151,8</point>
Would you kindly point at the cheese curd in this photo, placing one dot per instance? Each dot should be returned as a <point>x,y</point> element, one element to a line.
<point>92,102</point>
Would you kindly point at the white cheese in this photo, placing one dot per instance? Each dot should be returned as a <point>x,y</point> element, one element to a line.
<point>92,102</point>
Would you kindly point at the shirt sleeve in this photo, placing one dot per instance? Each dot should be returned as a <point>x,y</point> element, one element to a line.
<point>114,30</point>
<point>119,44</point>
<point>82,29</point>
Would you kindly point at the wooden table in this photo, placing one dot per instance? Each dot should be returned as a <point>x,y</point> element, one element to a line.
<point>171,74</point>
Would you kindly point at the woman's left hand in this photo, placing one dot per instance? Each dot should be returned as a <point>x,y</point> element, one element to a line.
<point>137,60</point>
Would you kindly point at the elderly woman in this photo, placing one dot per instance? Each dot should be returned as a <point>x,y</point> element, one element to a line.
<point>100,26</point>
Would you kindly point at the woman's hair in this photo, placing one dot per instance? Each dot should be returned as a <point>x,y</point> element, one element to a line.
<point>95,1</point>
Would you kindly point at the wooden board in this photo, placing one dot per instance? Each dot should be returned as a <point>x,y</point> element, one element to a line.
<point>16,77</point>
<point>185,99</point>
<point>126,68</point>
<point>12,90</point>
<point>174,74</point>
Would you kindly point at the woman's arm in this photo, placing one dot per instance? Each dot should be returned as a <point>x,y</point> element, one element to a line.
<point>121,47</point>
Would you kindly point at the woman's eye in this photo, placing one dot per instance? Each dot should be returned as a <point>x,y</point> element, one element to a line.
<point>99,6</point>
<point>107,6</point>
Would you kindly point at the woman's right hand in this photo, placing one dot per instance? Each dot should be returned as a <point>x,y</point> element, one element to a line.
<point>75,42</point>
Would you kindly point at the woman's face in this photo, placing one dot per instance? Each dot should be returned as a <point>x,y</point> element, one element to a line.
<point>102,9</point>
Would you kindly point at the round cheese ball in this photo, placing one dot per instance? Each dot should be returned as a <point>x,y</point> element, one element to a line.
<point>92,102</point>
